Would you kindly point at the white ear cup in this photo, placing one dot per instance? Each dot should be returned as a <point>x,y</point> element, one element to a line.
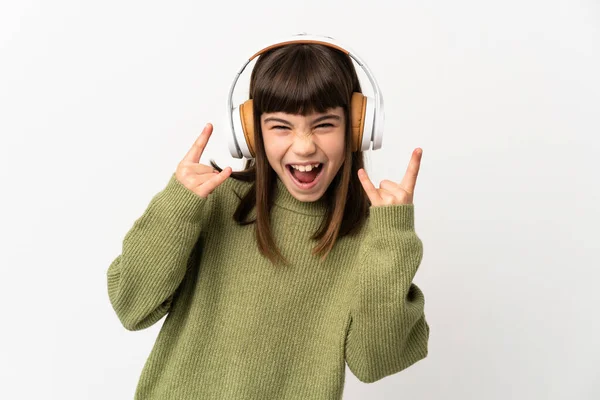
<point>234,148</point>
<point>238,147</point>
<point>367,133</point>
<point>379,120</point>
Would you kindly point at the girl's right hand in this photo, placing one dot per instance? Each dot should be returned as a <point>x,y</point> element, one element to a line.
<point>199,178</point>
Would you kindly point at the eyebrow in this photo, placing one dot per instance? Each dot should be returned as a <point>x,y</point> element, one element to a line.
<point>321,118</point>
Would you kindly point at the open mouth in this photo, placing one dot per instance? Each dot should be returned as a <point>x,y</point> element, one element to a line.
<point>305,177</point>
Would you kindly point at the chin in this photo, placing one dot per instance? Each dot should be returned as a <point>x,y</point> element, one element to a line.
<point>307,197</point>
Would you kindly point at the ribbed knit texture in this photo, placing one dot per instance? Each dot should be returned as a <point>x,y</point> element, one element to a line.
<point>239,328</point>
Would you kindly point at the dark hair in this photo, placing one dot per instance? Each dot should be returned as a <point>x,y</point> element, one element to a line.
<point>302,79</point>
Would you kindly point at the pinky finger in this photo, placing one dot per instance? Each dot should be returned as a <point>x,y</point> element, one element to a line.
<point>211,184</point>
<point>368,186</point>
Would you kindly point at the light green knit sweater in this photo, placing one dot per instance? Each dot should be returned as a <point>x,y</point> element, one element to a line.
<point>239,328</point>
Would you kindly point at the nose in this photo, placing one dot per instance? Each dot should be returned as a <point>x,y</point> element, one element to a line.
<point>303,144</point>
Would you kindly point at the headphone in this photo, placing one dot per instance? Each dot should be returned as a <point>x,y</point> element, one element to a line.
<point>367,114</point>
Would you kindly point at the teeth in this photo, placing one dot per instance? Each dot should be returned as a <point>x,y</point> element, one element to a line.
<point>306,168</point>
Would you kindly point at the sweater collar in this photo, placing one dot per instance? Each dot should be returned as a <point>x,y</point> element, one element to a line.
<point>284,199</point>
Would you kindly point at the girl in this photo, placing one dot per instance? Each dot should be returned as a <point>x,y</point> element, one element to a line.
<point>274,277</point>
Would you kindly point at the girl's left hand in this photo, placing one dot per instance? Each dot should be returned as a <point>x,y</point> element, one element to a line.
<point>392,193</point>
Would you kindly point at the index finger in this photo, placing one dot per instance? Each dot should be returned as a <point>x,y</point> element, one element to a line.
<point>193,155</point>
<point>412,171</point>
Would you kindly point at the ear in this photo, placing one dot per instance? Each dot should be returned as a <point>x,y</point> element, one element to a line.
<point>247,117</point>
<point>357,118</point>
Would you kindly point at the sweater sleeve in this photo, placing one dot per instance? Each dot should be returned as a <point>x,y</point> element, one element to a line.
<point>387,331</point>
<point>142,280</point>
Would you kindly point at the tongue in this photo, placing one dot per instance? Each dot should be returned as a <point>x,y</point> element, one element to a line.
<point>306,176</point>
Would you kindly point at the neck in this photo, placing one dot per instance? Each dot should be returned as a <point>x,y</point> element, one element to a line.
<point>284,199</point>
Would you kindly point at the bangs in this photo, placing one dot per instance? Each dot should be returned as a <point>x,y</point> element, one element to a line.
<point>302,79</point>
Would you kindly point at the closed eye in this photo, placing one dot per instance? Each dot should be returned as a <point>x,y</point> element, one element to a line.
<point>326,125</point>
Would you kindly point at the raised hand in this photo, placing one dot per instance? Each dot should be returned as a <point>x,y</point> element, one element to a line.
<point>199,178</point>
<point>392,193</point>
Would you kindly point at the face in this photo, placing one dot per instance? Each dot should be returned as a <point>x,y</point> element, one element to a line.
<point>305,151</point>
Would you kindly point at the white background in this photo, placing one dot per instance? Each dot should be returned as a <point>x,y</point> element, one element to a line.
<point>100,100</point>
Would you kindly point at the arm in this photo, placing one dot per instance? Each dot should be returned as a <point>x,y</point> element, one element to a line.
<point>387,331</point>
<point>142,280</point>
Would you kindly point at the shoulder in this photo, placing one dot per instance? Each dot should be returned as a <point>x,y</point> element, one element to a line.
<point>231,188</point>
<point>225,199</point>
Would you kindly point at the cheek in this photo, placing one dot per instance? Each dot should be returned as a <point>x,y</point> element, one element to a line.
<point>274,149</point>
<point>334,146</point>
